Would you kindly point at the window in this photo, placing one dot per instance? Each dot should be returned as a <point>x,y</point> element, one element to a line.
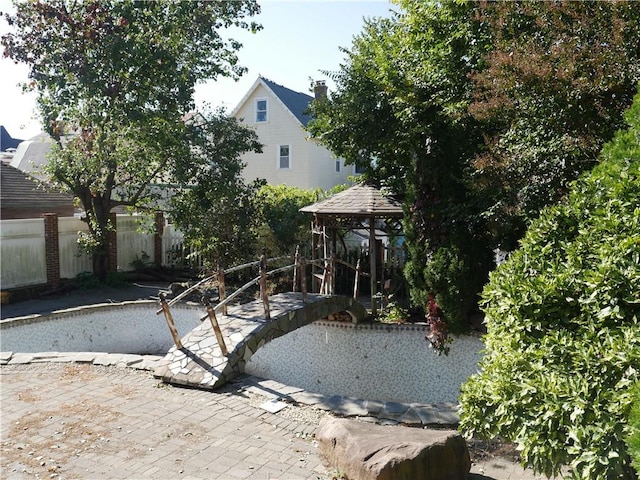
<point>261,110</point>
<point>284,157</point>
<point>337,166</point>
<point>360,169</point>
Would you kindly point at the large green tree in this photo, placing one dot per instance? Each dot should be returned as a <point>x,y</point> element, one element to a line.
<point>401,102</point>
<point>114,80</point>
<point>553,90</point>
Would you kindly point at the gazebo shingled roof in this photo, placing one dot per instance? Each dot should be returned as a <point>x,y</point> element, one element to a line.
<point>361,200</point>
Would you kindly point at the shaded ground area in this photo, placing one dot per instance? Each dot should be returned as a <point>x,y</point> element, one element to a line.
<point>77,297</point>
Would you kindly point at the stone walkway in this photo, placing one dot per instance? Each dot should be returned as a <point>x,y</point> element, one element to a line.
<point>94,416</point>
<point>391,412</point>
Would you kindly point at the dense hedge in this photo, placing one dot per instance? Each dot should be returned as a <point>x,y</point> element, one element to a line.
<point>563,319</point>
<point>633,435</point>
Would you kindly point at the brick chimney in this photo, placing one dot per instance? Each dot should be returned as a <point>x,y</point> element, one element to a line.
<point>320,89</point>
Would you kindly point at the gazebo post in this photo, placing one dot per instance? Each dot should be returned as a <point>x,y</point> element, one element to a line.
<point>372,262</point>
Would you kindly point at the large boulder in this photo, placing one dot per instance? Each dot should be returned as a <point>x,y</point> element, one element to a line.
<point>367,451</point>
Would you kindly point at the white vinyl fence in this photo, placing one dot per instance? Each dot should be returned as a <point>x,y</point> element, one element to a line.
<point>22,253</point>
<point>23,258</point>
<point>72,259</point>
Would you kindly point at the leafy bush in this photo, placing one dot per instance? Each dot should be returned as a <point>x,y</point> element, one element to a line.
<point>283,225</point>
<point>633,437</point>
<point>563,319</point>
<point>88,281</point>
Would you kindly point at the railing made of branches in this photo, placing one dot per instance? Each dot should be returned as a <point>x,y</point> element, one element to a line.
<point>299,268</point>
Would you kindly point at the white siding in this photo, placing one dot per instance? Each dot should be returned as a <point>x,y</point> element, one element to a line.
<point>132,243</point>
<point>312,166</point>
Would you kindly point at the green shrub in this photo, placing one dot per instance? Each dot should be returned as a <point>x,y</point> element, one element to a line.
<point>283,225</point>
<point>633,437</point>
<point>563,320</point>
<point>87,281</point>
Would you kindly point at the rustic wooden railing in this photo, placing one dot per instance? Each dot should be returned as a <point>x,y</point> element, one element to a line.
<point>299,268</point>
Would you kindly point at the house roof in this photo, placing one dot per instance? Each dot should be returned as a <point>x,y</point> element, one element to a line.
<point>20,190</point>
<point>361,200</point>
<point>296,102</point>
<point>31,155</point>
<point>6,140</point>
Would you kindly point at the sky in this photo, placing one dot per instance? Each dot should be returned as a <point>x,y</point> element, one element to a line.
<point>300,39</point>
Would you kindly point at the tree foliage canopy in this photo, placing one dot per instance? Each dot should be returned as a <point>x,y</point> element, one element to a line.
<point>553,89</point>
<point>124,59</point>
<point>114,81</point>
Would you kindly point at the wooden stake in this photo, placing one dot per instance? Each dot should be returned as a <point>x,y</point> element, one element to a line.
<point>170,322</point>
<point>263,286</point>
<point>303,279</point>
<point>216,327</point>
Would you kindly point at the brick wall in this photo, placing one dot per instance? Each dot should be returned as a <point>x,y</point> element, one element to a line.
<point>52,248</point>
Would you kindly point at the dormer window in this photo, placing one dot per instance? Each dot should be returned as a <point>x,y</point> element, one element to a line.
<point>261,110</point>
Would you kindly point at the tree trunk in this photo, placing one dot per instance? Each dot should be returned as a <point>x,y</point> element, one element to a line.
<point>100,265</point>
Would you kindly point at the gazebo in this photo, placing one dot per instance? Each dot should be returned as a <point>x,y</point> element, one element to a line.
<point>363,207</point>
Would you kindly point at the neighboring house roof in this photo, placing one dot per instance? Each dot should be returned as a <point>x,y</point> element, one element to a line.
<point>361,200</point>
<point>6,140</point>
<point>31,155</point>
<point>296,102</point>
<point>20,191</point>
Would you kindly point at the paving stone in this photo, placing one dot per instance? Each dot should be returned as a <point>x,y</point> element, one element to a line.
<point>411,417</point>
<point>5,357</point>
<point>351,407</point>
<point>21,358</point>
<point>394,408</point>
<point>374,407</point>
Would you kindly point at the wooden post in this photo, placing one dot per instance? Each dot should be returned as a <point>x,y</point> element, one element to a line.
<point>372,264</point>
<point>303,279</point>
<point>323,283</point>
<point>170,322</point>
<point>332,273</point>
<point>216,328</point>
<point>296,262</point>
<point>356,281</point>
<point>263,286</point>
<point>221,288</point>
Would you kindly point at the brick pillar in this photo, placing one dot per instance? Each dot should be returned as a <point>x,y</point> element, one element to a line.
<point>52,248</point>
<point>157,239</point>
<point>112,239</point>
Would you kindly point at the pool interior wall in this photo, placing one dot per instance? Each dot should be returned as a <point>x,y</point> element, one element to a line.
<point>127,327</point>
<point>369,361</point>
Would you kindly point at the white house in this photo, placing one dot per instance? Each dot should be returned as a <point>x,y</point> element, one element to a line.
<point>290,156</point>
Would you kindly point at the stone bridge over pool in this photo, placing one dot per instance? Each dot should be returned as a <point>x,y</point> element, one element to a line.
<point>200,362</point>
